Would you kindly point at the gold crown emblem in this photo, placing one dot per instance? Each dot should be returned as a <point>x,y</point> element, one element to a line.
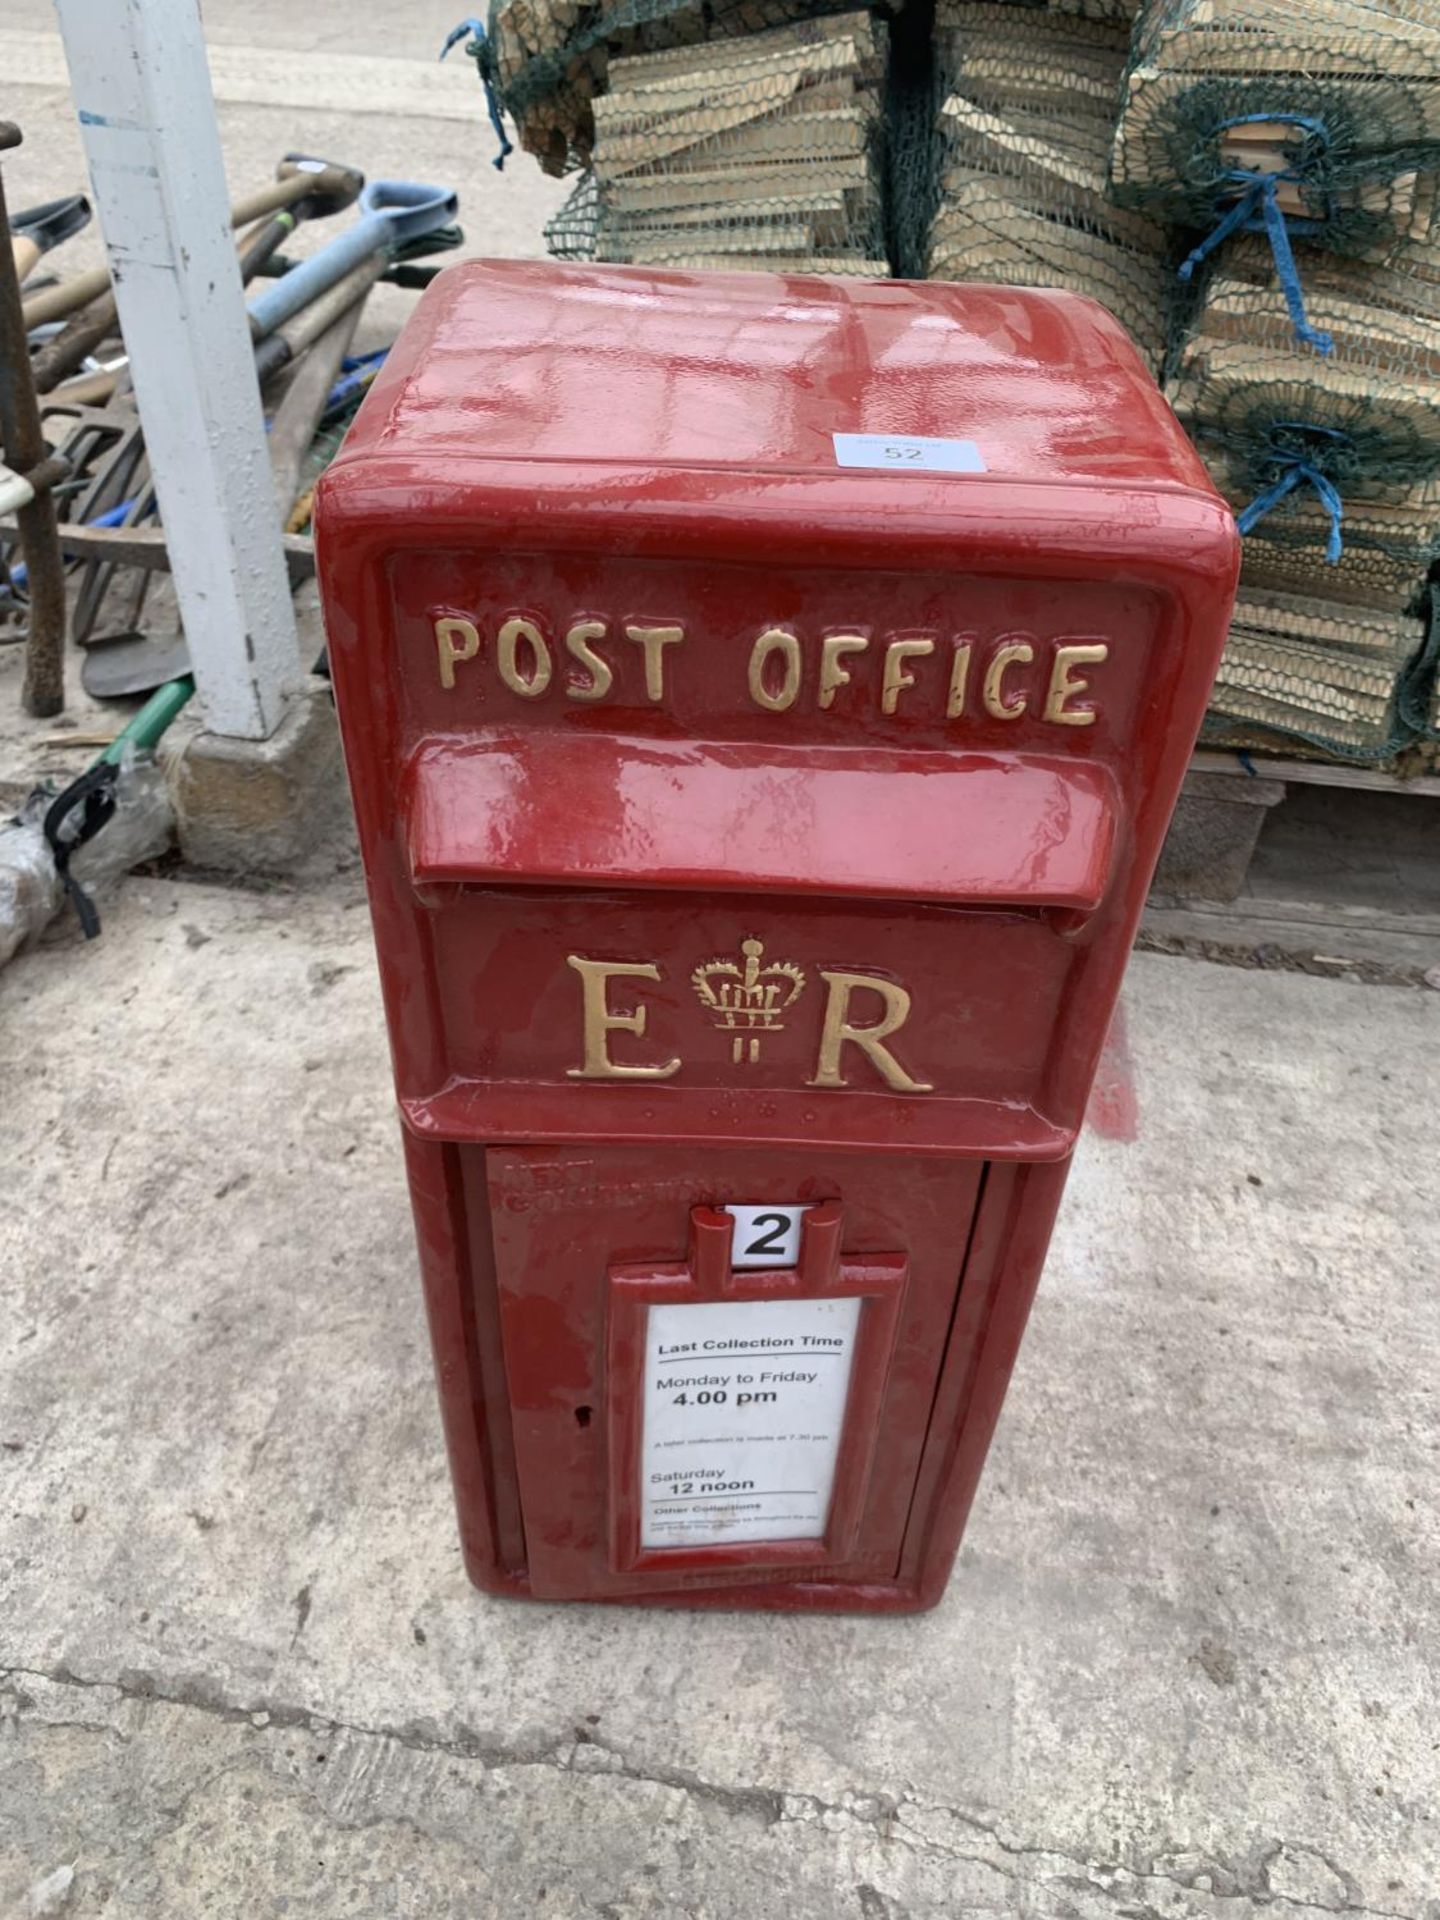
<point>748,1000</point>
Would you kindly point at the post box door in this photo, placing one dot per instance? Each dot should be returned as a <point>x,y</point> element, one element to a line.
<point>586,1239</point>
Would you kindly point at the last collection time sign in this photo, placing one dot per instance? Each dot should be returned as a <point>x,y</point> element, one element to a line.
<point>744,1411</point>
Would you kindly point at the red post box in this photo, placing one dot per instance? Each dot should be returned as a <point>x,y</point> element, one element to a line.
<point>764,700</point>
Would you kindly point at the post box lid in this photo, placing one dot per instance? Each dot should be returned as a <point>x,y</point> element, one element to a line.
<point>534,808</point>
<point>644,369</point>
<point>586,554</point>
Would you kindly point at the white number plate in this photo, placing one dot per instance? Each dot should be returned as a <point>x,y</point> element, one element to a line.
<point>765,1236</point>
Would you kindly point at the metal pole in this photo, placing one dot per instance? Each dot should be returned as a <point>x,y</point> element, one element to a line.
<point>142,91</point>
<point>22,440</point>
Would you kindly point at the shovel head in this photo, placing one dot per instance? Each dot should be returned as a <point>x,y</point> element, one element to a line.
<point>129,663</point>
<point>46,226</point>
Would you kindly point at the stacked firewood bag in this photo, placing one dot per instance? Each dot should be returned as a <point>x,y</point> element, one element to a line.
<point>1300,145</point>
<point>1348,431</point>
<point>546,74</point>
<point>549,59</point>
<point>760,152</point>
<point>1336,100</point>
<point>1027,118</point>
<point>1311,670</point>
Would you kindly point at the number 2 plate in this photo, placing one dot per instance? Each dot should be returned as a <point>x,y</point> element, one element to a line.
<point>766,1236</point>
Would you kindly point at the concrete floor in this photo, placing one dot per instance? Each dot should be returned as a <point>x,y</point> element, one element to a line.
<point>1185,1667</point>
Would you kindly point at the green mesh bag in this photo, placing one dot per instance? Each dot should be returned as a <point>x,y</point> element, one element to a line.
<point>549,59</point>
<point>1119,10</point>
<point>762,152</point>
<point>1336,679</point>
<point>1316,120</point>
<point>1331,458</point>
<point>1026,117</point>
<point>1384,562</point>
<point>1116,12</point>
<point>1420,686</point>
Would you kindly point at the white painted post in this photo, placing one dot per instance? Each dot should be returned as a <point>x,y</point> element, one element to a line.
<point>142,91</point>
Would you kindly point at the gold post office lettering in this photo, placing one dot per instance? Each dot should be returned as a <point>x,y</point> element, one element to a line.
<point>1003,677</point>
<point>745,998</point>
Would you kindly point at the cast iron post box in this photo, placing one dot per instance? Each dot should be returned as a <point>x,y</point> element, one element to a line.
<point>764,699</point>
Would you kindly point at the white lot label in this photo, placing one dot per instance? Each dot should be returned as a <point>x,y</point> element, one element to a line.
<point>907,453</point>
<point>744,1405</point>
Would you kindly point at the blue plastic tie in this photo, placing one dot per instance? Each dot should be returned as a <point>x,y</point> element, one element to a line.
<point>1238,214</point>
<point>1278,233</point>
<point>1297,472</point>
<point>1258,210</point>
<point>472,30</point>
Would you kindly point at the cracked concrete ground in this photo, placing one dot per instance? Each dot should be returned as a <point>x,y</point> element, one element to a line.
<point>1185,1667</point>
